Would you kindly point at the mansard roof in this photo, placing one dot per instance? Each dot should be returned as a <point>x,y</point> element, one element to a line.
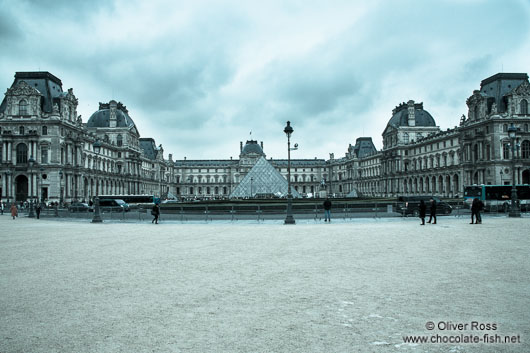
<point>149,148</point>
<point>364,147</point>
<point>252,146</point>
<point>498,86</point>
<point>47,84</point>
<point>400,116</point>
<point>101,118</point>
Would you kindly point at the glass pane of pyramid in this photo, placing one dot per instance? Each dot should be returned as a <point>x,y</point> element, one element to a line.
<point>263,178</point>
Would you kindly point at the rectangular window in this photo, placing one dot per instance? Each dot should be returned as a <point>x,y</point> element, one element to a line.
<point>44,154</point>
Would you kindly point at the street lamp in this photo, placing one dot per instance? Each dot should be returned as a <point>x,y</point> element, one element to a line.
<point>251,181</point>
<point>514,209</point>
<point>289,218</point>
<point>97,213</point>
<point>31,162</point>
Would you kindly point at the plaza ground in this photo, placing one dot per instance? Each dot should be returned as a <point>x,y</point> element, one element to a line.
<point>356,285</point>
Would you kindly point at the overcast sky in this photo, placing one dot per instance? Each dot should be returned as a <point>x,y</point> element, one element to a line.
<point>199,76</point>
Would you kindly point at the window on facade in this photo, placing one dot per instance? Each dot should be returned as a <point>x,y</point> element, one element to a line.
<point>21,130</point>
<point>62,155</point>
<point>505,128</point>
<point>406,138</point>
<point>524,107</point>
<point>525,149</point>
<point>525,127</point>
<point>22,153</point>
<point>23,107</point>
<point>44,154</point>
<point>475,112</point>
<point>506,151</point>
<point>45,130</point>
<point>119,141</point>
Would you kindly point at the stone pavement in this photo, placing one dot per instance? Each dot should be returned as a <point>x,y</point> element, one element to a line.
<point>356,285</point>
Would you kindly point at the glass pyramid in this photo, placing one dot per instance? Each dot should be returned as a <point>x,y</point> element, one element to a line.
<point>262,179</point>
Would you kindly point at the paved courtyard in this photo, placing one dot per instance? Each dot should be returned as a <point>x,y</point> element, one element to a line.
<point>356,285</point>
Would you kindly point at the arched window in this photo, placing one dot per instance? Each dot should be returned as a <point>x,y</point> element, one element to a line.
<point>119,140</point>
<point>506,151</point>
<point>525,149</point>
<point>21,130</point>
<point>22,153</point>
<point>45,130</point>
<point>524,107</point>
<point>23,107</point>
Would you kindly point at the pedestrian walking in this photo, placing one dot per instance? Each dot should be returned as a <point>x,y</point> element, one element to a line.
<point>476,207</point>
<point>2,207</point>
<point>423,211</point>
<point>37,209</point>
<point>327,210</point>
<point>433,212</point>
<point>14,210</point>
<point>156,213</point>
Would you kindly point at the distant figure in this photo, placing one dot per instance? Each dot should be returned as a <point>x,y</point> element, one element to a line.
<point>423,211</point>
<point>37,209</point>
<point>2,207</point>
<point>476,207</point>
<point>327,210</point>
<point>155,212</point>
<point>14,210</point>
<point>433,212</point>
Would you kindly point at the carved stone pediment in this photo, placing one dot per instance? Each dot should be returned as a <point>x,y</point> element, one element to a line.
<point>22,89</point>
<point>523,89</point>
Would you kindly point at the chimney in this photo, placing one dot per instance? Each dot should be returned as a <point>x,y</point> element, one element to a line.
<point>261,143</point>
<point>184,157</point>
<point>411,110</point>
<point>240,147</point>
<point>170,157</point>
<point>112,106</point>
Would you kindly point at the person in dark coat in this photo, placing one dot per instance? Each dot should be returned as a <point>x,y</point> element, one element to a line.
<point>155,212</point>
<point>433,212</point>
<point>423,211</point>
<point>37,209</point>
<point>476,207</point>
<point>327,210</point>
<point>14,210</point>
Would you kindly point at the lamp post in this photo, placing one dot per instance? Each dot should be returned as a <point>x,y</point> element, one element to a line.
<point>97,212</point>
<point>289,218</point>
<point>514,209</point>
<point>31,162</point>
<point>251,181</point>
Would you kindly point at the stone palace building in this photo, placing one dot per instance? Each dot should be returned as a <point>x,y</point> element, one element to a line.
<point>48,152</point>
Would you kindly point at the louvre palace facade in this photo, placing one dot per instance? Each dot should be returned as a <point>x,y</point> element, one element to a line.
<point>48,152</point>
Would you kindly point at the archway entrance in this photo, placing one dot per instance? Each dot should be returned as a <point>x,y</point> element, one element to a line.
<point>21,188</point>
<point>526,176</point>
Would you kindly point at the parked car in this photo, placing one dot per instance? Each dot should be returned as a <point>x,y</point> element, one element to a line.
<point>80,207</point>
<point>113,205</point>
<point>410,205</point>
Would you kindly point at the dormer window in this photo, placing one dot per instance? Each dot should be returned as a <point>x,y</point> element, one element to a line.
<point>23,107</point>
<point>119,141</point>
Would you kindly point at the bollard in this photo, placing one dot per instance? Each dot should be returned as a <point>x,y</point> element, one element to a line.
<point>181,214</point>
<point>232,211</point>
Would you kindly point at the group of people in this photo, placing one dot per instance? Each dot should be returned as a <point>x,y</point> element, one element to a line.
<point>14,209</point>
<point>423,212</point>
